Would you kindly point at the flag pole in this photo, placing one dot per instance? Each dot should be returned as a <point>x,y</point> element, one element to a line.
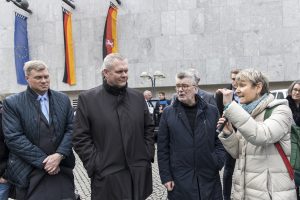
<point>22,6</point>
<point>69,3</point>
<point>119,2</point>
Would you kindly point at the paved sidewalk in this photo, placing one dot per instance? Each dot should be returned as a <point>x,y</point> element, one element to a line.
<point>82,182</point>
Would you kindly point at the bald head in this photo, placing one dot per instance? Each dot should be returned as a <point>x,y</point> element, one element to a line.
<point>147,95</point>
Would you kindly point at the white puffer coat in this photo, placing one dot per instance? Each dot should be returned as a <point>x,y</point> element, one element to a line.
<point>260,173</point>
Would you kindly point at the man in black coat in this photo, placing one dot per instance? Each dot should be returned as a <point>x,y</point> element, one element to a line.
<point>113,136</point>
<point>190,155</point>
<point>37,125</point>
<point>229,161</point>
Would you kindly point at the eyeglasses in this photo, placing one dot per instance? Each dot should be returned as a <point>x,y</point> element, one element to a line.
<point>296,90</point>
<point>183,86</point>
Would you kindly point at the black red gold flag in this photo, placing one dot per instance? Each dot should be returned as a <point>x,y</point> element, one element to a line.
<point>69,74</point>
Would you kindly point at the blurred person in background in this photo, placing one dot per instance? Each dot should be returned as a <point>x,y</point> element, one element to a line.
<point>159,107</point>
<point>148,96</point>
<point>294,103</point>
<point>294,100</point>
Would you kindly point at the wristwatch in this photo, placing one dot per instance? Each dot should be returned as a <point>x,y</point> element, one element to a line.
<point>61,155</point>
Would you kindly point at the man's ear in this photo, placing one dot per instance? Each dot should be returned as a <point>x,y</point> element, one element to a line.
<point>105,72</point>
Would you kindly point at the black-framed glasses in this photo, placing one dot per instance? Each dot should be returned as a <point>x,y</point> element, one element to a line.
<point>296,90</point>
<point>183,86</point>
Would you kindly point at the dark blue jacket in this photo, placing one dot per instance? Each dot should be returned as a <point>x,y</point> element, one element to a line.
<point>3,148</point>
<point>21,130</point>
<point>191,160</point>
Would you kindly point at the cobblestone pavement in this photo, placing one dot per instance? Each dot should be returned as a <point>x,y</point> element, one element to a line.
<point>82,183</point>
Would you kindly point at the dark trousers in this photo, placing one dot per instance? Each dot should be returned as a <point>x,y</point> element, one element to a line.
<point>227,176</point>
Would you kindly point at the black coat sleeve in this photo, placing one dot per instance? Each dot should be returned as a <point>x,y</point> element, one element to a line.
<point>219,149</point>
<point>3,148</point>
<point>82,138</point>
<point>163,150</point>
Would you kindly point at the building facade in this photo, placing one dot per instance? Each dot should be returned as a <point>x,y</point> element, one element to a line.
<point>212,36</point>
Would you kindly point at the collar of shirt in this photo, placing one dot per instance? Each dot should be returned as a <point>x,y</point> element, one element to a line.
<point>44,96</point>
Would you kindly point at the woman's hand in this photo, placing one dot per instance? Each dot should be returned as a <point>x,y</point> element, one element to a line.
<point>170,185</point>
<point>227,130</point>
<point>2,180</point>
<point>227,95</point>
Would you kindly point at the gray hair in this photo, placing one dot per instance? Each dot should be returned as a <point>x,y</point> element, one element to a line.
<point>254,77</point>
<point>235,71</point>
<point>147,92</point>
<point>196,74</point>
<point>187,74</point>
<point>37,65</point>
<point>109,60</point>
<point>290,89</point>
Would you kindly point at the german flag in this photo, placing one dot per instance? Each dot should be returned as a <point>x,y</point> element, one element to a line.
<point>69,75</point>
<point>110,43</point>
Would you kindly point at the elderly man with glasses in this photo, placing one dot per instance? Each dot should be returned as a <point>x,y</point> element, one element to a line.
<point>190,154</point>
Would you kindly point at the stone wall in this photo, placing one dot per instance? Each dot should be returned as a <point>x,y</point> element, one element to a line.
<point>212,36</point>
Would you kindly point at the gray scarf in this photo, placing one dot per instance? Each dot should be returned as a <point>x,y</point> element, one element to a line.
<point>251,106</point>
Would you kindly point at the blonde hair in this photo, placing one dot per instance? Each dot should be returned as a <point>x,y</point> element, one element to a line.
<point>254,77</point>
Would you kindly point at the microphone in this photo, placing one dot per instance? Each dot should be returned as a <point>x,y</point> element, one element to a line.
<point>220,128</point>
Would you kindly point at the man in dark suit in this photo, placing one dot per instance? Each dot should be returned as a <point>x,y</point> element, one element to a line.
<point>148,97</point>
<point>229,162</point>
<point>38,127</point>
<point>113,136</point>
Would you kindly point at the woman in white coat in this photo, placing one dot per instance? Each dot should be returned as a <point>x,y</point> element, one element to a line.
<point>260,173</point>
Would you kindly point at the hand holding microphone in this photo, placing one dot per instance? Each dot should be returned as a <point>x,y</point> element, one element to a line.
<point>225,126</point>
<point>220,127</point>
<point>223,122</point>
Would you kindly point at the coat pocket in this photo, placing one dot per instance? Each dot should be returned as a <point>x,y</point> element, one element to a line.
<point>98,164</point>
<point>94,164</point>
<point>18,171</point>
